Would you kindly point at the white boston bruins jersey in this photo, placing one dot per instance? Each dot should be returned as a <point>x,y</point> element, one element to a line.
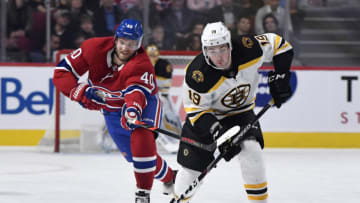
<point>225,93</point>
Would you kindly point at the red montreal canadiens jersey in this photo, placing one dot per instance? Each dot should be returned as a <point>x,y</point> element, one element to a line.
<point>94,58</point>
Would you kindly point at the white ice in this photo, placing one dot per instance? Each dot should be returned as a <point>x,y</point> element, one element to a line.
<point>294,176</point>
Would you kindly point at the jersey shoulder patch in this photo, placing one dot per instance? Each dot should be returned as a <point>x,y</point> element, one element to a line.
<point>200,76</point>
<point>245,49</point>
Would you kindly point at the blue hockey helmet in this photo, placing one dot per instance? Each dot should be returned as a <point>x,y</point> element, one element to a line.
<point>130,29</point>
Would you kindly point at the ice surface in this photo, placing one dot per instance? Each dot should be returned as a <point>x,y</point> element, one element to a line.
<point>294,176</point>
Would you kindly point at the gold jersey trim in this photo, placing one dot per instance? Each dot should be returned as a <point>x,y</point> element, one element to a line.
<point>277,41</point>
<point>217,85</point>
<point>191,109</point>
<point>260,197</point>
<point>281,48</point>
<point>195,118</point>
<point>240,67</point>
<point>255,186</point>
<point>248,64</point>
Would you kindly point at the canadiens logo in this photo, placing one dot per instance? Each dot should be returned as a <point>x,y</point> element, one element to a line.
<point>198,76</point>
<point>236,97</point>
<point>247,42</point>
<point>105,93</point>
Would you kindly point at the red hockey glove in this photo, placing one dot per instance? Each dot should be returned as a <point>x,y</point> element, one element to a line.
<point>130,115</point>
<point>87,97</point>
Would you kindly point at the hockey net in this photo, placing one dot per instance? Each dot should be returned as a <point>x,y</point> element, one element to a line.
<point>67,134</point>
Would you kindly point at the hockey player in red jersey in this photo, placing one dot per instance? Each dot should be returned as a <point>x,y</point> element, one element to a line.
<point>120,82</point>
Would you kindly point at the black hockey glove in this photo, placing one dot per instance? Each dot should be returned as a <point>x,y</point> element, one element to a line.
<point>280,89</point>
<point>228,150</point>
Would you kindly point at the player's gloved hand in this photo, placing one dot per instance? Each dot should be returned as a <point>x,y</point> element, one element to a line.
<point>215,129</point>
<point>280,89</point>
<point>229,150</point>
<point>130,114</point>
<point>87,96</point>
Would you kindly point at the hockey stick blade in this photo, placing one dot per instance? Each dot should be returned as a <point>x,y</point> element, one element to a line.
<point>207,147</point>
<point>237,139</point>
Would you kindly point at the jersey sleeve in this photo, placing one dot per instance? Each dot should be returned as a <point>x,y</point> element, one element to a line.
<point>69,70</point>
<point>272,45</point>
<point>277,50</point>
<point>140,83</point>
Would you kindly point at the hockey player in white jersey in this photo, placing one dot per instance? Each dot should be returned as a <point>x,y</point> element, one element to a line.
<point>170,119</point>
<point>219,92</point>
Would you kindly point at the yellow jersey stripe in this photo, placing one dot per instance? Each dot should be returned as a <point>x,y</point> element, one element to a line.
<point>221,80</point>
<point>261,197</point>
<point>248,64</point>
<point>192,109</point>
<point>277,41</point>
<point>281,48</point>
<point>192,120</point>
<point>255,186</point>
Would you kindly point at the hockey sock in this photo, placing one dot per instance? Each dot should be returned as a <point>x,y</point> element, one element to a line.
<point>143,150</point>
<point>253,171</point>
<point>163,172</point>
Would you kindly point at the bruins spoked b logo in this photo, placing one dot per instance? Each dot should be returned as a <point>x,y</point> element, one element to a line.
<point>236,97</point>
<point>198,76</point>
<point>247,42</point>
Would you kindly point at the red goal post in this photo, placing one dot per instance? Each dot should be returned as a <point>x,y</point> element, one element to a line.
<point>178,59</point>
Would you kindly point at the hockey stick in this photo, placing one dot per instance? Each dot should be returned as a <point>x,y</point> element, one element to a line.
<point>237,140</point>
<point>207,147</point>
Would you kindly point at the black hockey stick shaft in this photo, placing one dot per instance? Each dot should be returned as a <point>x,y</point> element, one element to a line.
<point>237,140</point>
<point>207,147</point>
